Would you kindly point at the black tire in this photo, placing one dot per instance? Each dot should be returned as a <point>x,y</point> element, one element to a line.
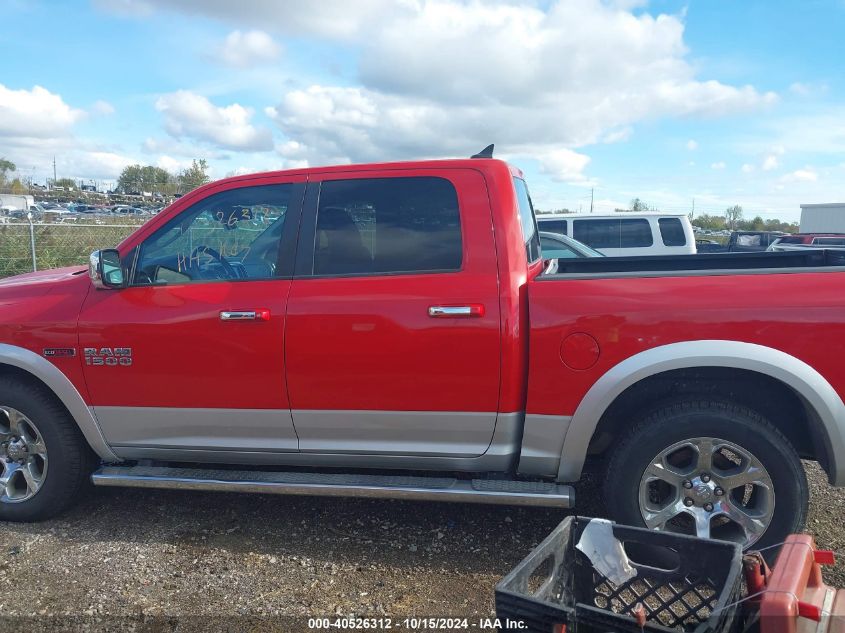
<point>70,459</point>
<point>675,422</point>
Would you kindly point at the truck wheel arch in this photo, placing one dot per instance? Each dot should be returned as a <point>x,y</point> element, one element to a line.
<point>822,400</point>
<point>53,379</point>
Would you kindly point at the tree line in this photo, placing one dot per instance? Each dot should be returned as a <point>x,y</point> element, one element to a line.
<point>134,179</point>
<point>137,179</point>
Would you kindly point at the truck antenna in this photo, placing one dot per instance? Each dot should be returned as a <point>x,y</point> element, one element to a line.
<point>487,152</point>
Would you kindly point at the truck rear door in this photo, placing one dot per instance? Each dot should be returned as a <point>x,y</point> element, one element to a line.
<point>393,332</point>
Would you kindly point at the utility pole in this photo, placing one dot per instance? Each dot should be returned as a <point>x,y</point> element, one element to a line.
<point>592,190</point>
<point>54,170</point>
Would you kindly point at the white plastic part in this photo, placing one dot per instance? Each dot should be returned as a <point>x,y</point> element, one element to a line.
<point>605,552</point>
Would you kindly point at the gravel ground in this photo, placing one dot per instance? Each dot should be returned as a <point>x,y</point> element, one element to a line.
<point>178,561</point>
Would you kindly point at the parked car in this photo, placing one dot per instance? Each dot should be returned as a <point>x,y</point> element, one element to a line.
<point>625,234</point>
<point>555,246</point>
<point>741,242</point>
<point>398,317</point>
<point>808,240</point>
<point>752,241</point>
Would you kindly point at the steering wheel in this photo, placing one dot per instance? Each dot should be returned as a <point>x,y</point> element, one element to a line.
<point>207,250</point>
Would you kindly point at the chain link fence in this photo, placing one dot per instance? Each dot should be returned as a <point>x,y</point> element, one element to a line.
<point>55,244</point>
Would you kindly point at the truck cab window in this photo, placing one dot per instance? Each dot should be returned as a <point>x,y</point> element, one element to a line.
<point>232,235</point>
<point>528,220</point>
<point>387,225</point>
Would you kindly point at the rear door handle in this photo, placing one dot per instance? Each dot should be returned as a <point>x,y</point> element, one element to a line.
<point>245,315</point>
<point>459,312</point>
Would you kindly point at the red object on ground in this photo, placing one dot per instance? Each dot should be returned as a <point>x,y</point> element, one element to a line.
<point>796,593</point>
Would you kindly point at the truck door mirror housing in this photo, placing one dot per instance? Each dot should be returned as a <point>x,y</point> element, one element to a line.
<point>105,269</point>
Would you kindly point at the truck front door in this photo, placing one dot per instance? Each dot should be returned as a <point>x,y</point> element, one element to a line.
<point>190,356</point>
<point>393,329</point>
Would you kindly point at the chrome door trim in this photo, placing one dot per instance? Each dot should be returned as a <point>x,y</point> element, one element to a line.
<point>227,315</point>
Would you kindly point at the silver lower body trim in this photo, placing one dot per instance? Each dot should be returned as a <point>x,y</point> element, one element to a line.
<point>503,492</point>
<point>213,429</point>
<point>542,444</point>
<point>500,456</point>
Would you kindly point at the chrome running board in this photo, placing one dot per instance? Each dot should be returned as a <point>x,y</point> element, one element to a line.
<point>503,492</point>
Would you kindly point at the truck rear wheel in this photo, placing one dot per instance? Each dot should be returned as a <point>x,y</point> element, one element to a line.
<point>44,461</point>
<point>709,468</point>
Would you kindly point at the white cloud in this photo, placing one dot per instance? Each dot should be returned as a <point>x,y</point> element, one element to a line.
<point>772,159</point>
<point>692,145</point>
<point>803,89</point>
<point>245,49</point>
<point>807,174</point>
<point>36,113</point>
<point>718,165</point>
<point>799,88</point>
<point>102,107</point>
<point>337,19</point>
<point>190,115</point>
<point>747,168</point>
<point>439,80</point>
<point>171,164</point>
<point>617,136</point>
<point>564,165</point>
<point>770,162</point>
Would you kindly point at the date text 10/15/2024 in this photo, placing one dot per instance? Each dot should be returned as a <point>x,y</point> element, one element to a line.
<point>416,624</point>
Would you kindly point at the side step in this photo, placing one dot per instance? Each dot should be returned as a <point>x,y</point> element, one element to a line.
<point>503,492</point>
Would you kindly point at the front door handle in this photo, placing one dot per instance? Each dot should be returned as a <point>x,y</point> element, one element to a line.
<point>459,312</point>
<point>245,315</point>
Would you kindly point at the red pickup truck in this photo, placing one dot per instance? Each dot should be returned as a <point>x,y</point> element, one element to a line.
<point>393,330</point>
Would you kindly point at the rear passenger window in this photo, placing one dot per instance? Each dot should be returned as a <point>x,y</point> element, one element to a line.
<point>387,225</point>
<point>623,233</point>
<point>635,234</point>
<point>672,232</point>
<point>597,233</point>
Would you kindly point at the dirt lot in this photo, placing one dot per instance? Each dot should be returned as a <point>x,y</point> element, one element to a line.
<point>177,561</point>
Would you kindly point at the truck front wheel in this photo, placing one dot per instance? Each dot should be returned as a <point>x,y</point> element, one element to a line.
<point>44,461</point>
<point>709,468</point>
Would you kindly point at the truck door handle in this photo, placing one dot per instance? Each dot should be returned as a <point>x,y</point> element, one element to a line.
<point>460,312</point>
<point>245,315</point>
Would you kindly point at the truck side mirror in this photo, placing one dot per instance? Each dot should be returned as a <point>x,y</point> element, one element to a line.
<point>105,269</point>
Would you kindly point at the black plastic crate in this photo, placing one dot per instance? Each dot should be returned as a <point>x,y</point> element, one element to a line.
<point>683,584</point>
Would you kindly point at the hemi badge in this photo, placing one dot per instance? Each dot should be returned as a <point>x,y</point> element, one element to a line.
<point>59,352</point>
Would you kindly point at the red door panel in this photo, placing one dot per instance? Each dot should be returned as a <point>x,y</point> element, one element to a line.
<point>183,354</point>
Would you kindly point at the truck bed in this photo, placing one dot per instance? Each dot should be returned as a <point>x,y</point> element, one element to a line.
<point>721,263</point>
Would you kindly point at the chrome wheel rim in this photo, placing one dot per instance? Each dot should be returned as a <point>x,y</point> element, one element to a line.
<point>708,487</point>
<point>23,457</point>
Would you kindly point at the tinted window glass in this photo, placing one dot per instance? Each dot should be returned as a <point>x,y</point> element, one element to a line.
<point>528,221</point>
<point>553,226</point>
<point>832,241</point>
<point>635,234</point>
<point>597,233</point>
<point>672,232</point>
<point>229,235</point>
<point>552,249</point>
<point>791,240</point>
<point>384,225</point>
